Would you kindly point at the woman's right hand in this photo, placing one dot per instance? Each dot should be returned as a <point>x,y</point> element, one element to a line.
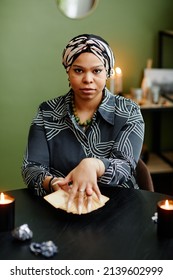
<point>55,184</point>
<point>84,182</point>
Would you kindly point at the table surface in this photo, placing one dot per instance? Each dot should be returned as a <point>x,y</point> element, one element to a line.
<point>122,229</point>
<point>146,105</point>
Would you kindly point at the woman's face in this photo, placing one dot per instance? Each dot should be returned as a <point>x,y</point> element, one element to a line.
<point>87,76</point>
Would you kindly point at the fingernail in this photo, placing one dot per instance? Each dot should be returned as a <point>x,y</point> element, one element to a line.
<point>68,206</point>
<point>89,207</point>
<point>80,209</point>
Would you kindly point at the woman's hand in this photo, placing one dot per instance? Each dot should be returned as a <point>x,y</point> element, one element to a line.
<point>83,181</point>
<point>58,182</point>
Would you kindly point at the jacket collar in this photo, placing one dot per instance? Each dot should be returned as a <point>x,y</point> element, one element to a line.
<point>106,108</point>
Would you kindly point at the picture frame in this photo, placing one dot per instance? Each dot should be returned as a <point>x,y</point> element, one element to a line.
<point>160,77</point>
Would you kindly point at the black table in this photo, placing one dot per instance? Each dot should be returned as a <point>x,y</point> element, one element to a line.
<point>121,230</point>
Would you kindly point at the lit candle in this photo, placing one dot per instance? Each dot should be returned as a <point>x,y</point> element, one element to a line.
<point>165,218</point>
<point>167,205</point>
<point>112,82</point>
<point>118,81</point>
<point>7,212</point>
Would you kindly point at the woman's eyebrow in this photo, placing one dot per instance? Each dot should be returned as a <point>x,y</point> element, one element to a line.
<point>100,65</point>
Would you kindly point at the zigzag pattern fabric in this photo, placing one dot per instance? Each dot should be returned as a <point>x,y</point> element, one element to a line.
<point>115,136</point>
<point>89,43</point>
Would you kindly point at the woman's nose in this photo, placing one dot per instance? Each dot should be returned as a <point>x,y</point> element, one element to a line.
<point>88,77</point>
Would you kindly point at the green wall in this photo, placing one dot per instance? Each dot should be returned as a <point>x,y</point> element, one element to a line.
<point>32,36</point>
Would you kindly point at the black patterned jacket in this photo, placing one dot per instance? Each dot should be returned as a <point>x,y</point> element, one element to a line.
<point>56,144</point>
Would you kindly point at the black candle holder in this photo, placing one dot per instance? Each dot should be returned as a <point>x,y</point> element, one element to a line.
<point>7,213</point>
<point>165,219</point>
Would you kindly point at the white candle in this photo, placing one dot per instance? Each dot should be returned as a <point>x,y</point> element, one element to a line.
<point>118,80</point>
<point>112,83</point>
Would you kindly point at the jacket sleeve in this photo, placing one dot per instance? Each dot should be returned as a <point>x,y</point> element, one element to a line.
<point>36,160</point>
<point>120,166</point>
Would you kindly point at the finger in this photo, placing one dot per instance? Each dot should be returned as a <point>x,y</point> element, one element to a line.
<point>90,190</point>
<point>56,184</point>
<point>81,195</point>
<point>69,187</point>
<point>89,203</point>
<point>98,193</point>
<point>56,188</point>
<point>60,182</point>
<point>72,195</point>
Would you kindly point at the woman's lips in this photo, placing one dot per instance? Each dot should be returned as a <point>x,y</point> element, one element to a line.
<point>87,89</point>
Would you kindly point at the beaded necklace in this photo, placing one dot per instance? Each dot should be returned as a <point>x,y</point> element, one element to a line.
<point>84,124</point>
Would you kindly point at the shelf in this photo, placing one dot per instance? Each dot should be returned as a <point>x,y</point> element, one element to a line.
<point>156,165</point>
<point>168,156</point>
<point>164,103</point>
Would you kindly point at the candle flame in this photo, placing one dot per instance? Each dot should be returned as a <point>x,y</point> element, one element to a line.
<point>2,197</point>
<point>167,204</point>
<point>118,70</point>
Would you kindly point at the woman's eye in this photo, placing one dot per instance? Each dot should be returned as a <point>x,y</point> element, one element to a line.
<point>97,71</point>
<point>78,70</point>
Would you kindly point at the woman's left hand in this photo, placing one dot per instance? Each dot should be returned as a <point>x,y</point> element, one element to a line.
<point>84,182</point>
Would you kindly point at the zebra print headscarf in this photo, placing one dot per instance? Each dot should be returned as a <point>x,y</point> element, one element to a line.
<point>88,43</point>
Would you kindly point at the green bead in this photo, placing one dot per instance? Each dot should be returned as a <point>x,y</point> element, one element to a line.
<point>77,119</point>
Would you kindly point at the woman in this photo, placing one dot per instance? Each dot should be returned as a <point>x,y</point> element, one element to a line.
<point>88,136</point>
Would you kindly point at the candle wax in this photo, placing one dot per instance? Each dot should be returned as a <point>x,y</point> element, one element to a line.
<point>112,83</point>
<point>118,80</point>
<point>167,207</point>
<point>166,204</point>
<point>5,199</point>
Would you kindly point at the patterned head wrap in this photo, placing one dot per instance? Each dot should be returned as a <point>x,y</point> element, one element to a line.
<point>88,43</point>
